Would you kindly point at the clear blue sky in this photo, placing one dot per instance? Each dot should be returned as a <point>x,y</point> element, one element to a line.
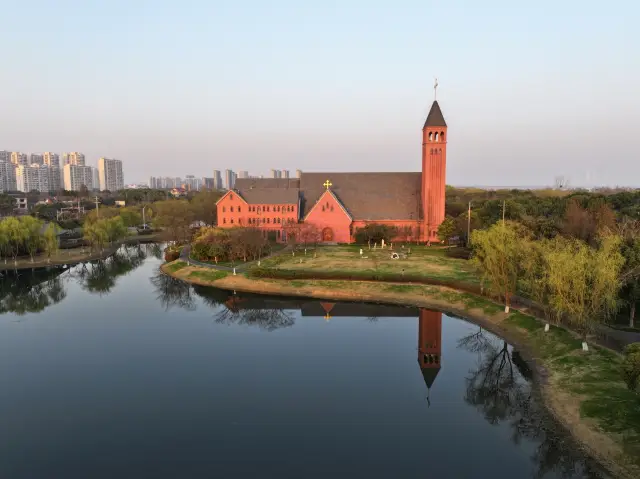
<point>530,90</point>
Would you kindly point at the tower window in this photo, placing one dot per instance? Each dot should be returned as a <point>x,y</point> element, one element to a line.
<point>442,136</point>
<point>436,137</point>
<point>430,136</point>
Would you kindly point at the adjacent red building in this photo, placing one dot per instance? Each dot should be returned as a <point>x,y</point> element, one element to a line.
<point>337,204</point>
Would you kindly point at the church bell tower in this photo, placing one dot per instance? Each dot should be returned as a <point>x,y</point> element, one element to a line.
<point>434,162</point>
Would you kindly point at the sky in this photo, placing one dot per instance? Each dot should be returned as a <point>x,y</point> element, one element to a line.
<point>530,90</point>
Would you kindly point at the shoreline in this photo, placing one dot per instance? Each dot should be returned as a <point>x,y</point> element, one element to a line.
<point>563,405</point>
<point>41,262</point>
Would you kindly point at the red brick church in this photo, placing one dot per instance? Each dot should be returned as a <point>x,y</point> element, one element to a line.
<point>337,204</point>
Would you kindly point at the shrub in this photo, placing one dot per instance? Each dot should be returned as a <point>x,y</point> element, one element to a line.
<point>631,366</point>
<point>171,255</point>
<point>460,253</point>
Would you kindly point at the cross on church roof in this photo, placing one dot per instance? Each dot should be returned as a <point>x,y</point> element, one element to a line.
<point>327,184</point>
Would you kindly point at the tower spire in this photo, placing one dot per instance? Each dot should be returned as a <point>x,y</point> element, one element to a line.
<point>435,90</point>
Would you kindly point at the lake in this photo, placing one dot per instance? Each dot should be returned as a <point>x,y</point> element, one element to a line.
<point>112,369</point>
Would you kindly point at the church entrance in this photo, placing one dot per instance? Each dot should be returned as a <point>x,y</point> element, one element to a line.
<point>327,235</point>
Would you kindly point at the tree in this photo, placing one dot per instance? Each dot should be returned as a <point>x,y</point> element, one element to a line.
<point>51,244</point>
<point>131,216</point>
<point>32,234</point>
<point>630,277</point>
<point>375,232</point>
<point>497,254</point>
<point>446,229</point>
<point>84,191</point>
<point>204,207</point>
<point>584,282</point>
<point>176,216</point>
<point>5,245</point>
<point>16,236</point>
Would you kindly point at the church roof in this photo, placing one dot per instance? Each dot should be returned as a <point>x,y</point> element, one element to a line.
<point>435,117</point>
<point>429,375</point>
<point>251,183</point>
<point>261,196</point>
<point>367,196</point>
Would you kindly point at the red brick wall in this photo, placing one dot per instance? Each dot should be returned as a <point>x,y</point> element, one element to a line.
<point>434,162</point>
<point>328,213</point>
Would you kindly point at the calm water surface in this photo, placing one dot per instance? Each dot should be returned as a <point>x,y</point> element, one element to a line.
<point>114,370</point>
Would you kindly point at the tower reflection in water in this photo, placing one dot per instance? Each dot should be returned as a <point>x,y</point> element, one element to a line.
<point>429,346</point>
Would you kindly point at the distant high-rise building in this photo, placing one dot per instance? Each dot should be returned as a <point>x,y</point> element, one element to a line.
<point>52,160</point>
<point>284,174</point>
<point>217,180</point>
<point>153,183</point>
<point>243,174</point>
<point>110,174</point>
<point>229,179</point>
<point>298,173</point>
<point>18,158</point>
<point>73,158</point>
<point>275,173</point>
<point>207,183</point>
<point>96,178</point>
<point>32,177</point>
<point>5,156</point>
<point>77,175</point>
<point>35,158</point>
<point>192,183</point>
<point>7,176</point>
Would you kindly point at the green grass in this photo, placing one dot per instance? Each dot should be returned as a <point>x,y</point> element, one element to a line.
<point>595,376</point>
<point>212,275</point>
<point>175,266</point>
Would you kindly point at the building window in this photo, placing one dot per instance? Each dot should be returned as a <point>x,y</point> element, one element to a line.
<point>323,208</point>
<point>231,209</point>
<point>239,209</point>
<point>231,196</point>
<point>331,208</point>
<point>231,220</point>
<point>224,209</point>
<point>224,221</point>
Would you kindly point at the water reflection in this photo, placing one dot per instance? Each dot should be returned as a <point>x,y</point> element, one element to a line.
<point>497,387</point>
<point>32,291</point>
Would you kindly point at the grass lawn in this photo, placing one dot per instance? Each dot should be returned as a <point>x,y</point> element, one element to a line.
<point>420,261</point>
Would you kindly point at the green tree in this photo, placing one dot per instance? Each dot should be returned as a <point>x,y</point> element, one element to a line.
<point>631,270</point>
<point>5,245</point>
<point>131,216</point>
<point>51,244</point>
<point>33,240</point>
<point>204,208</point>
<point>584,282</point>
<point>497,254</point>
<point>176,216</point>
<point>446,229</point>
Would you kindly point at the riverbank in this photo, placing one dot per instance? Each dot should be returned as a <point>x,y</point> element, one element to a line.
<point>74,256</point>
<point>584,391</point>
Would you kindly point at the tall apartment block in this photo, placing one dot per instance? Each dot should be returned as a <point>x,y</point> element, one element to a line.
<point>243,174</point>
<point>33,177</point>
<point>5,156</point>
<point>229,179</point>
<point>18,158</point>
<point>7,176</point>
<point>110,174</point>
<point>284,174</point>
<point>73,158</point>
<point>217,180</point>
<point>298,173</point>
<point>36,158</point>
<point>52,160</point>
<point>76,175</point>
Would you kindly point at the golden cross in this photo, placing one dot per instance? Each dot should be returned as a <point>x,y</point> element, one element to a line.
<point>327,184</point>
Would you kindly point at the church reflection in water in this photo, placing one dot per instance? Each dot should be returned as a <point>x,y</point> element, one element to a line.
<point>270,313</point>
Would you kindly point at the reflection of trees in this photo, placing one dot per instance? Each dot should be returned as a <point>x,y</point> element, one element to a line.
<point>100,276</point>
<point>267,319</point>
<point>31,292</point>
<point>242,310</point>
<point>497,388</point>
<point>172,292</point>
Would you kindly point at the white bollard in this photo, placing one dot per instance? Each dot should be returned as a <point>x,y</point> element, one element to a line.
<point>585,346</point>
<point>506,309</point>
<point>360,251</point>
<point>234,271</point>
<point>546,328</point>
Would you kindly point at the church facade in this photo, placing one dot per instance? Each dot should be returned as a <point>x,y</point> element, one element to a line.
<point>338,204</point>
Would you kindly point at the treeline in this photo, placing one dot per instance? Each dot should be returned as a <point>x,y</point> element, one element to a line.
<point>577,282</point>
<point>547,213</point>
<point>27,236</point>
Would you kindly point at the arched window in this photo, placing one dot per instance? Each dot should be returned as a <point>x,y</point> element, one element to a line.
<point>231,209</point>
<point>275,221</point>
<point>224,221</point>
<point>436,137</point>
<point>231,220</point>
<point>239,210</point>
<point>231,196</point>
<point>442,136</point>
<point>430,136</point>
<point>331,208</point>
<point>440,151</point>
<point>322,207</point>
<point>224,209</point>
